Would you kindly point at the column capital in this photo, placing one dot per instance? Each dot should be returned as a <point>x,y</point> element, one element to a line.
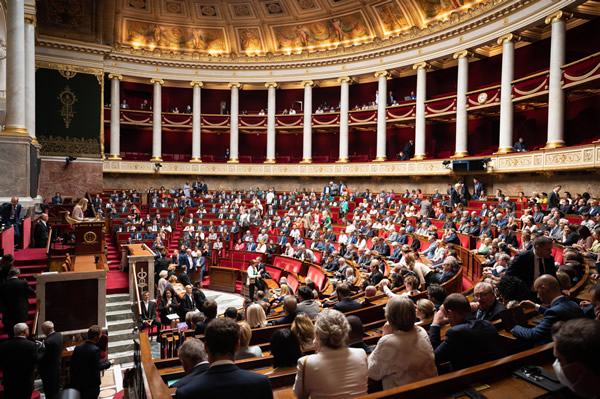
<point>558,16</point>
<point>197,84</point>
<point>234,84</point>
<point>510,37</point>
<point>422,65</point>
<point>31,19</point>
<point>462,54</point>
<point>274,85</point>
<point>115,76</point>
<point>344,79</point>
<point>30,12</point>
<point>380,74</point>
<point>156,81</point>
<point>308,83</point>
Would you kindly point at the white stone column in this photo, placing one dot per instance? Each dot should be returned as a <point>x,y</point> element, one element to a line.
<point>344,105</point>
<point>115,116</point>
<point>15,69</point>
<point>271,86</point>
<point>462,86</point>
<point>381,116</point>
<point>30,22</point>
<point>556,97</point>
<point>196,121</point>
<point>421,68</point>
<point>506,105</point>
<point>157,120</point>
<point>234,123</point>
<point>307,131</point>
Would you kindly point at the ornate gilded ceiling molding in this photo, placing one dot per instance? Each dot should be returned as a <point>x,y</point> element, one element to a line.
<point>197,84</point>
<point>69,71</point>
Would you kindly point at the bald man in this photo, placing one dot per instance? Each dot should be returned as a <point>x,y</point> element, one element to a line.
<point>560,309</point>
<point>40,232</point>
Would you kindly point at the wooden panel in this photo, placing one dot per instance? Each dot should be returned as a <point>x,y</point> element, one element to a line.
<point>223,279</point>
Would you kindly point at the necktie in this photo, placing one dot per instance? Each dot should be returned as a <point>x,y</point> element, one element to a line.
<point>541,266</point>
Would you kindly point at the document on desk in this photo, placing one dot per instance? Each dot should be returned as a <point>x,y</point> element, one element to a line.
<point>70,348</point>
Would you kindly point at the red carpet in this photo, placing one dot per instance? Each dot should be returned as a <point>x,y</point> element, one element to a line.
<point>117,282</point>
<point>26,256</point>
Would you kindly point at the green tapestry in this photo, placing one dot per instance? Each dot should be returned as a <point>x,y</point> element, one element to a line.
<point>68,112</point>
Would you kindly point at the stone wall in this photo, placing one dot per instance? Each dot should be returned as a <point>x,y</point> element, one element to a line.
<point>74,180</point>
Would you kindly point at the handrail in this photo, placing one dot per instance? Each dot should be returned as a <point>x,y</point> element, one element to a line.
<point>36,317</point>
<point>154,385</point>
<point>580,60</point>
<point>137,290</point>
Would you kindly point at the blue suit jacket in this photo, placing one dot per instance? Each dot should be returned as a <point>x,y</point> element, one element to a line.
<point>560,310</point>
<point>196,371</point>
<point>227,381</point>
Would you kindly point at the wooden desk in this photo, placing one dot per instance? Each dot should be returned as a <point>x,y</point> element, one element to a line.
<point>87,263</point>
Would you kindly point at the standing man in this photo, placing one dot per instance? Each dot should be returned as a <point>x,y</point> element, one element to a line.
<point>13,300</point>
<point>17,361</point>
<point>477,189</point>
<point>86,365</point>
<point>553,199</point>
<point>50,360</point>
<point>40,233</point>
<point>409,150</point>
<point>530,265</point>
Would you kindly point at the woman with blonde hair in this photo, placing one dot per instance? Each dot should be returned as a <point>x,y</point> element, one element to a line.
<point>425,274</point>
<point>425,309</point>
<point>244,351</point>
<point>304,329</point>
<point>412,285</point>
<point>255,316</point>
<point>79,210</point>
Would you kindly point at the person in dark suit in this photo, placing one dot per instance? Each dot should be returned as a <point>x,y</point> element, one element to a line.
<point>194,360</point>
<point>529,265</point>
<point>13,300</point>
<point>40,232</point>
<point>409,150</point>
<point>57,199</point>
<point>508,237</point>
<point>469,341</point>
<point>223,378</point>
<point>187,303</point>
<point>486,306</point>
<point>148,317</point>
<point>553,199</point>
<point>11,215</point>
<point>86,365</point>
<point>345,304</point>
<point>560,309</point>
<point>18,357</point>
<point>290,305</point>
<point>50,360</point>
<point>477,189</point>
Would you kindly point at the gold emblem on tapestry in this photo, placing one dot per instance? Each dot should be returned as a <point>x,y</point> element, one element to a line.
<point>67,99</point>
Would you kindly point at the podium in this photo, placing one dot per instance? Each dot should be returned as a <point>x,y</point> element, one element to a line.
<point>89,237</point>
<point>143,258</point>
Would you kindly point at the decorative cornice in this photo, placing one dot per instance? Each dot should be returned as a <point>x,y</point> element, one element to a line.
<point>380,74</point>
<point>510,37</point>
<point>197,84</point>
<point>234,84</point>
<point>115,76</point>
<point>462,54</point>
<point>69,146</point>
<point>558,16</point>
<point>269,85</point>
<point>157,81</point>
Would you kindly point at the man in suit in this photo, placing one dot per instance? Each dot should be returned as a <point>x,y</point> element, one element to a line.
<point>13,300</point>
<point>409,150</point>
<point>50,360</point>
<point>187,303</point>
<point>148,318</point>
<point>11,215</point>
<point>223,378</point>
<point>290,306</point>
<point>345,303</point>
<point>86,365</point>
<point>469,341</point>
<point>529,265</point>
<point>426,207</point>
<point>17,361</point>
<point>560,309</point>
<point>477,188</point>
<point>194,360</point>
<point>40,232</point>
<point>486,306</point>
<point>508,237</point>
<point>553,198</point>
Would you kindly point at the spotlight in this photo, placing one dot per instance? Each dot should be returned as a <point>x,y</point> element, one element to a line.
<point>70,159</point>
<point>446,164</point>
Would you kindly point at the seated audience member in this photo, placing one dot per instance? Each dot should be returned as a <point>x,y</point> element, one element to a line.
<point>255,316</point>
<point>148,318</point>
<point>244,351</point>
<point>479,336</point>
<point>223,378</point>
<point>194,360</point>
<point>305,331</point>
<point>436,294</point>
<point>346,374</point>
<point>449,269</point>
<point>168,307</point>
<point>285,349</point>
<point>346,303</point>
<point>210,311</point>
<point>402,340</point>
<point>307,302</point>
<point>230,312</point>
<point>512,291</point>
<point>576,347</point>
<point>424,309</point>
<point>560,309</point>
<point>486,306</point>
<point>591,308</point>
<point>289,306</point>
<point>357,332</point>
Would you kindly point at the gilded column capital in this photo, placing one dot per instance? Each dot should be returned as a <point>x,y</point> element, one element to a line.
<point>422,65</point>
<point>308,83</point>
<point>274,85</point>
<point>234,84</point>
<point>462,54</point>
<point>113,76</point>
<point>380,74</point>
<point>558,16</point>
<point>510,37</point>
<point>31,19</point>
<point>197,84</point>
<point>344,79</point>
<point>156,81</point>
